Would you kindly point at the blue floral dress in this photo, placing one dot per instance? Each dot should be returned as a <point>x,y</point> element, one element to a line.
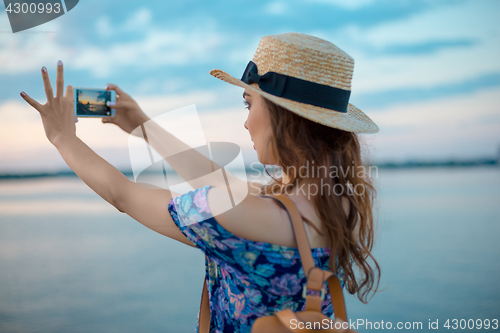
<point>246,279</point>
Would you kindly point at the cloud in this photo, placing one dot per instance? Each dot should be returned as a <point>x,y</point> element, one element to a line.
<point>140,20</point>
<point>475,20</point>
<point>469,29</point>
<point>158,104</point>
<point>460,126</point>
<point>104,27</point>
<point>21,126</point>
<point>451,112</point>
<point>425,48</point>
<point>410,95</point>
<point>17,53</point>
<point>276,8</point>
<point>142,17</point>
<point>350,4</point>
<point>158,46</point>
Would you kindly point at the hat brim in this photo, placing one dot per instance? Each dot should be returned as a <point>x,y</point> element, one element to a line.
<point>354,120</point>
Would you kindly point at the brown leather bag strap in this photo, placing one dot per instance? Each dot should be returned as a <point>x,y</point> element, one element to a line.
<point>204,315</point>
<point>333,282</point>
<point>337,297</point>
<point>298,230</point>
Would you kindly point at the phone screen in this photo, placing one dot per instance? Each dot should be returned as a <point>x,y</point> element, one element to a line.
<point>93,102</point>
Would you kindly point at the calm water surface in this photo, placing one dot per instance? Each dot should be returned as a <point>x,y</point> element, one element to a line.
<point>69,262</point>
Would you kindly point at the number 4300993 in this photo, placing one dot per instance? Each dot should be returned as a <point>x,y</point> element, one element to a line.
<point>33,8</point>
<point>471,324</point>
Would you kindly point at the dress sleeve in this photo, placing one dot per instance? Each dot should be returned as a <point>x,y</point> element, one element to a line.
<point>191,213</point>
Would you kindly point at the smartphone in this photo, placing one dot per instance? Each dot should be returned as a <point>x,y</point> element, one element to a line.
<point>94,102</point>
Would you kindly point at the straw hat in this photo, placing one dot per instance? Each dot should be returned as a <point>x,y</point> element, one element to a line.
<point>306,75</point>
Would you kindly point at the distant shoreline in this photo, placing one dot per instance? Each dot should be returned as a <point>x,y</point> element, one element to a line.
<point>489,162</point>
<point>449,163</point>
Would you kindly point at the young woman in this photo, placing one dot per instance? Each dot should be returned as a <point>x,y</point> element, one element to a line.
<point>297,89</point>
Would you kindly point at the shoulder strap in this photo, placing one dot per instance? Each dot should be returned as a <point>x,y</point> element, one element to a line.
<point>298,230</point>
<point>204,314</point>
<point>317,276</point>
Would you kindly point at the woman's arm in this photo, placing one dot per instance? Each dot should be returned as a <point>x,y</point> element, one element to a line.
<point>103,178</point>
<point>148,206</point>
<point>191,166</point>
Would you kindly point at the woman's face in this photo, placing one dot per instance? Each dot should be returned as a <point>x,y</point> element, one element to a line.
<point>258,125</point>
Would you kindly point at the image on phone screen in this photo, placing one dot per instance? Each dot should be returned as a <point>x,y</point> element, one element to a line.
<point>93,102</point>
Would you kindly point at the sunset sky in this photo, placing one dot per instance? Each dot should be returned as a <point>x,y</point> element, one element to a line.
<point>427,72</point>
<point>88,96</point>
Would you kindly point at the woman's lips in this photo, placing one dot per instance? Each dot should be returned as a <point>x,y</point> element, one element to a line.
<point>254,147</point>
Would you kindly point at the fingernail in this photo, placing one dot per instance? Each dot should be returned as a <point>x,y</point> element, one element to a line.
<point>59,63</point>
<point>107,86</point>
<point>23,94</point>
<point>44,69</point>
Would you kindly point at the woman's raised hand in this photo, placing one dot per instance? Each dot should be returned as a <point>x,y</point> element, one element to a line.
<point>58,115</point>
<point>128,113</point>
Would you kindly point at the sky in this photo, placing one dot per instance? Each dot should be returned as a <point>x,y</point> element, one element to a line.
<point>427,72</point>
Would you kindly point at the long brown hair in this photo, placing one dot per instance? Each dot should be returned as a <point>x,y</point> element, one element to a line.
<point>335,158</point>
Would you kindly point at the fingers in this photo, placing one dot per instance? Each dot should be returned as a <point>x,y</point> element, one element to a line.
<point>114,87</point>
<point>69,91</point>
<point>110,120</point>
<point>31,101</point>
<point>59,79</point>
<point>46,83</point>
<point>118,105</point>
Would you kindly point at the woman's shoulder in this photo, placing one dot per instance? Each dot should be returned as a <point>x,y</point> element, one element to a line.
<point>263,219</point>
<point>255,218</point>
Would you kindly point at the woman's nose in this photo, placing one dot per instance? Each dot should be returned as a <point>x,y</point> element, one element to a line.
<point>245,124</point>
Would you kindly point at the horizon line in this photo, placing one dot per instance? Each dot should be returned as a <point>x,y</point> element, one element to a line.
<point>385,165</point>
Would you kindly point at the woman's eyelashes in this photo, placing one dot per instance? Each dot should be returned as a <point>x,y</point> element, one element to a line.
<point>247,105</point>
